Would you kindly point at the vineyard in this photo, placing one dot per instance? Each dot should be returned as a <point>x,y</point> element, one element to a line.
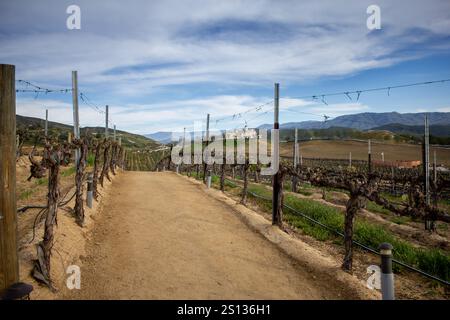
<point>145,160</point>
<point>323,198</point>
<point>98,160</point>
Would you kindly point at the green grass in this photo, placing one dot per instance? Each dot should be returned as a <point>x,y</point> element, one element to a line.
<point>25,194</point>
<point>90,160</point>
<point>41,181</point>
<point>400,220</point>
<point>373,207</point>
<point>433,261</point>
<point>68,172</point>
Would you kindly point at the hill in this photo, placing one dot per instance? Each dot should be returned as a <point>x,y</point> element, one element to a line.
<point>34,127</point>
<point>370,120</point>
<point>161,136</point>
<point>438,130</point>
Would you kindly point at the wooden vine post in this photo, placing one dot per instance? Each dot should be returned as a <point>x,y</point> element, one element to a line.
<point>9,265</point>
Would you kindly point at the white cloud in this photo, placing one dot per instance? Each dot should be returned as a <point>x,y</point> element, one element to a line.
<point>182,43</point>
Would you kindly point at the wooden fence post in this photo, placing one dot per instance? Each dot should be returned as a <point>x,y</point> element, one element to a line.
<point>9,265</point>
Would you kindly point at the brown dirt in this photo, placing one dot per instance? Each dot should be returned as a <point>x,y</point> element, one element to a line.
<point>336,149</point>
<point>160,236</point>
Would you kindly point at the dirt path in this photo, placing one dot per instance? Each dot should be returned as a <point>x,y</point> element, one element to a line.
<point>159,237</point>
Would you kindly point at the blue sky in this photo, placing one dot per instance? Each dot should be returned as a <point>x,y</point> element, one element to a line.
<point>161,65</point>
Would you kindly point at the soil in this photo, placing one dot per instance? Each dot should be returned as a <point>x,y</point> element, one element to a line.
<point>161,236</point>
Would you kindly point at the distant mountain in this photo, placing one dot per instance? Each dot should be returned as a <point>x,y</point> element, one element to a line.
<point>163,136</point>
<point>438,130</point>
<point>369,120</point>
<point>35,127</point>
<point>339,133</point>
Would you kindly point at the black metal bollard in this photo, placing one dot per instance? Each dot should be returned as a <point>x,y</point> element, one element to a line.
<point>90,189</point>
<point>208,179</point>
<point>387,276</point>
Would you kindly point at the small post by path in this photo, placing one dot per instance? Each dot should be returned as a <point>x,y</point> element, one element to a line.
<point>9,265</point>
<point>369,159</point>
<point>208,179</point>
<point>90,190</point>
<point>387,276</point>
<point>114,137</point>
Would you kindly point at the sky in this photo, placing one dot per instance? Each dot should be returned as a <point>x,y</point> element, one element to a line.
<point>162,65</point>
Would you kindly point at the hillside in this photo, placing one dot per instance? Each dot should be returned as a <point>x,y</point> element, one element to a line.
<point>34,127</point>
<point>370,120</point>
<point>438,130</point>
<point>161,136</point>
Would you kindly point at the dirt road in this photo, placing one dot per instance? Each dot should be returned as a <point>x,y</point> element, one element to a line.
<point>159,236</point>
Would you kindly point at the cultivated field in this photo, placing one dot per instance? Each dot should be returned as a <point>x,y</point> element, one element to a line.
<point>339,149</point>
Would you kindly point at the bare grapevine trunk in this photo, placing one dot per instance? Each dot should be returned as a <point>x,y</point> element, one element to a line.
<point>245,176</point>
<point>204,172</point>
<point>95,176</point>
<point>277,218</point>
<point>105,163</point>
<point>222,176</point>
<point>112,163</point>
<point>257,171</point>
<point>353,205</point>
<point>42,266</point>
<point>79,205</point>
